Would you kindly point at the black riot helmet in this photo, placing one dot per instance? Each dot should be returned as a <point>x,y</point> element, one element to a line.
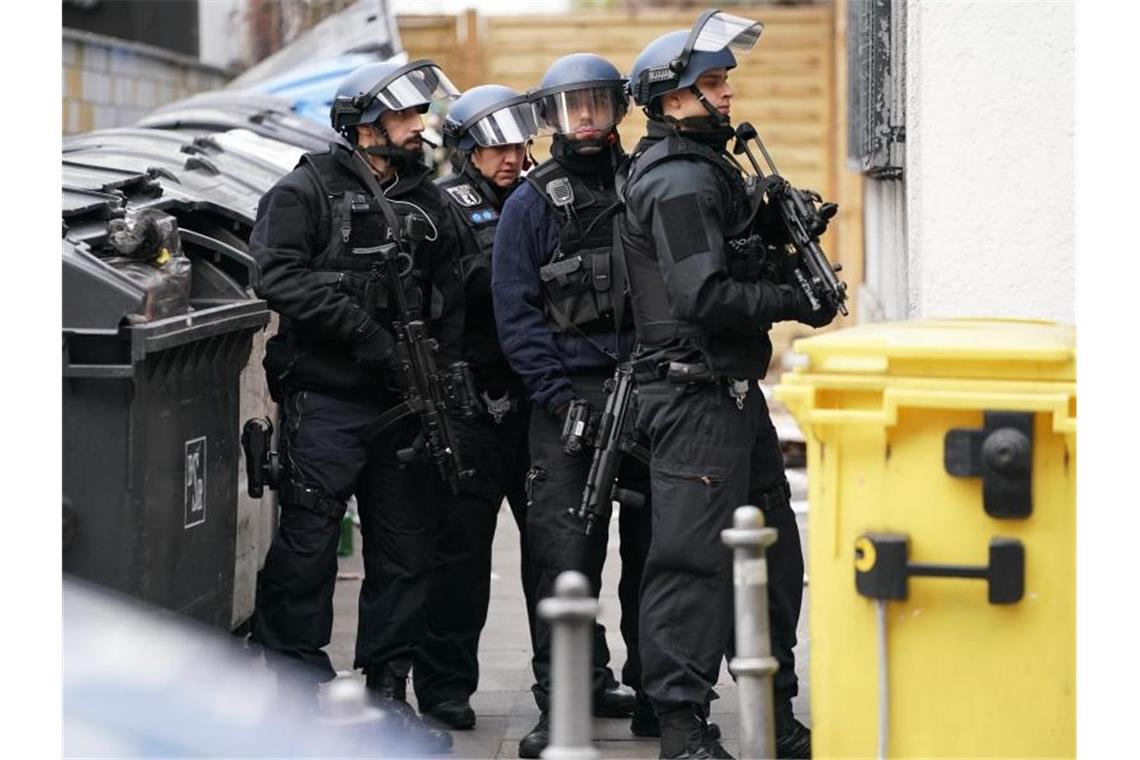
<point>489,115</point>
<point>374,88</point>
<point>676,60</point>
<point>581,93</point>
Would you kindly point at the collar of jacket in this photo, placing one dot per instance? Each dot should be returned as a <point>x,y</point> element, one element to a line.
<point>714,137</point>
<point>601,165</point>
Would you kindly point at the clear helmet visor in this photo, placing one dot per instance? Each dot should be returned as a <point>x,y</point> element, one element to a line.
<point>723,30</point>
<point>507,126</point>
<point>587,114</point>
<point>418,87</point>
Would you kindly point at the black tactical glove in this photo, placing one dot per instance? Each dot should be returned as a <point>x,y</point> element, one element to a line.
<point>801,309</point>
<point>374,349</point>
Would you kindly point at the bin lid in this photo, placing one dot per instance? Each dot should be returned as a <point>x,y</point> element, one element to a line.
<point>221,110</point>
<point>1000,349</point>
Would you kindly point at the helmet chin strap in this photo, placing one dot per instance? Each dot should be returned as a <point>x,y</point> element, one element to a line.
<point>714,120</point>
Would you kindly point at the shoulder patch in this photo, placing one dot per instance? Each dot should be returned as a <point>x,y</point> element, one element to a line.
<point>465,195</point>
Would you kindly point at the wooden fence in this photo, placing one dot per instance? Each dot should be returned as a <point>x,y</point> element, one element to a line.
<point>787,85</point>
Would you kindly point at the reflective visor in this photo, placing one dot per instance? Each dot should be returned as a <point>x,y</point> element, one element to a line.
<point>506,126</point>
<point>723,30</point>
<point>415,87</point>
<point>590,113</point>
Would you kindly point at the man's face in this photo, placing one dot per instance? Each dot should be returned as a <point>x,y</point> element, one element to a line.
<point>404,130</point>
<point>500,164</point>
<point>713,84</point>
<point>583,112</point>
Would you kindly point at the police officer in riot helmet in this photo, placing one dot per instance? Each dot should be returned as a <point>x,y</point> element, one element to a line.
<point>333,368</point>
<point>488,129</point>
<point>709,275</point>
<point>564,331</point>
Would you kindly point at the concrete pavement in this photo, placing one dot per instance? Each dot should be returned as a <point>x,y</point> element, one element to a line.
<point>503,704</point>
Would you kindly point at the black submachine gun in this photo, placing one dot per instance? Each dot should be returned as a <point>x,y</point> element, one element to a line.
<point>614,437</point>
<point>804,222</point>
<point>428,392</point>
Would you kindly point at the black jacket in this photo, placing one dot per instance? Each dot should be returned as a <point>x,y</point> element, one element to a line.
<point>526,239</point>
<point>324,317</point>
<point>684,203</point>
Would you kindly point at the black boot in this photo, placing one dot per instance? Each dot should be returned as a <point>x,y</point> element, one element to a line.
<point>386,683</point>
<point>645,723</point>
<point>614,702</point>
<point>686,734</point>
<point>793,739</point>
<point>532,745</point>
<point>456,713</point>
<point>389,692</point>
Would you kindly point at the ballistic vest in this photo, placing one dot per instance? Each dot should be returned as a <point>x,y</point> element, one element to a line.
<point>474,209</point>
<point>356,233</point>
<point>653,316</point>
<point>583,290</point>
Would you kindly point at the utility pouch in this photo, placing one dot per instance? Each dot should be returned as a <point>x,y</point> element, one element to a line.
<point>578,291</point>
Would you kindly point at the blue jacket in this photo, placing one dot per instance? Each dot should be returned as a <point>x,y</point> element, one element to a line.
<point>525,240</point>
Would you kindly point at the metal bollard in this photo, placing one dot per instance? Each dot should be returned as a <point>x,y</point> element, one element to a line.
<point>571,612</point>
<point>753,664</point>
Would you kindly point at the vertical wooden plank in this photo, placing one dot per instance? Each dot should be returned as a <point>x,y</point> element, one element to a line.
<point>471,51</point>
<point>848,224</point>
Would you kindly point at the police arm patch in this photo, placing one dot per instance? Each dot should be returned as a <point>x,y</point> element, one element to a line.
<point>465,195</point>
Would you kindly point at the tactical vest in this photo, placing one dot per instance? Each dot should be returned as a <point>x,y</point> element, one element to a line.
<point>653,314</point>
<point>473,208</point>
<point>357,234</point>
<point>583,290</point>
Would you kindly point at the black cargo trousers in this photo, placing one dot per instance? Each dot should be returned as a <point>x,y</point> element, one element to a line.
<point>446,666</point>
<point>323,445</point>
<point>557,541</point>
<point>708,458</point>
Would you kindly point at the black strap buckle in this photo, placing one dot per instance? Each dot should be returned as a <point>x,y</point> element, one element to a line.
<point>294,494</point>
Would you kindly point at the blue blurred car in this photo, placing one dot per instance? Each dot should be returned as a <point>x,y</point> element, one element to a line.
<point>143,682</point>
<point>311,88</point>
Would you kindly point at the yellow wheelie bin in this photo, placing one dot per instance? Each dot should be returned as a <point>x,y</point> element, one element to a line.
<point>942,488</point>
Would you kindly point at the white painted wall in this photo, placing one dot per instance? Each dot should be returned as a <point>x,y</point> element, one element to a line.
<point>223,33</point>
<point>989,166</point>
<point>884,294</point>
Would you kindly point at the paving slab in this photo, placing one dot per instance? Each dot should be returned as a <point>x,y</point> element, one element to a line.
<point>504,704</point>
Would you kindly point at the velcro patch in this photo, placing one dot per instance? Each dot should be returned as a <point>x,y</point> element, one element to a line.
<point>684,226</point>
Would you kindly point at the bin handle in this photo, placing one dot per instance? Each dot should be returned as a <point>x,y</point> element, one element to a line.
<point>98,371</point>
<point>883,568</point>
<point>226,250</point>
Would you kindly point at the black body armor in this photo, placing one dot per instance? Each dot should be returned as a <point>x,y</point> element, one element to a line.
<point>584,284</point>
<point>734,348</point>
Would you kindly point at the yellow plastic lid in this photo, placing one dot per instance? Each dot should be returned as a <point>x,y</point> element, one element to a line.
<point>1000,349</point>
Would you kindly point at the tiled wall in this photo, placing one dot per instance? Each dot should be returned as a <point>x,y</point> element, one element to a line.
<point>113,83</point>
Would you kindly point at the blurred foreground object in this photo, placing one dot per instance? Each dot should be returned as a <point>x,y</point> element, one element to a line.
<point>140,683</point>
